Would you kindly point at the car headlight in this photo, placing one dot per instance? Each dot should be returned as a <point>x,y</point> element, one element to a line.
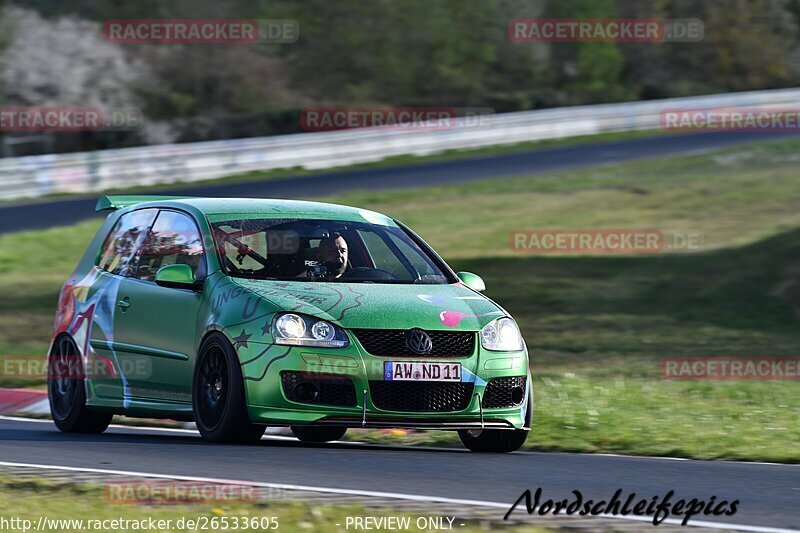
<point>299,330</point>
<point>502,335</point>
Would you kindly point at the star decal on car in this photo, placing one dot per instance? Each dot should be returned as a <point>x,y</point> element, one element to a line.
<point>241,340</point>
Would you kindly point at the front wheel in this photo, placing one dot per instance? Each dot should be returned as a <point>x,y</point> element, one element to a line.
<point>318,434</point>
<point>66,391</point>
<point>218,398</point>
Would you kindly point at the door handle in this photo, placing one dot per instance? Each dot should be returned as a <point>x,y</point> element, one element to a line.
<point>124,304</point>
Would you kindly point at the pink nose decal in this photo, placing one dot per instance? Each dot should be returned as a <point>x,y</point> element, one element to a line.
<point>451,318</point>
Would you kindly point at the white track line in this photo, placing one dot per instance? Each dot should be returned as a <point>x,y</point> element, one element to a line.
<point>376,494</point>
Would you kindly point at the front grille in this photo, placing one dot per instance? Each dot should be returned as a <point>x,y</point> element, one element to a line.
<point>333,390</point>
<point>499,391</point>
<point>392,343</point>
<point>422,396</point>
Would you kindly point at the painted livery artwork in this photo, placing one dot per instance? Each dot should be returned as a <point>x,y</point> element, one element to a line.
<point>243,314</point>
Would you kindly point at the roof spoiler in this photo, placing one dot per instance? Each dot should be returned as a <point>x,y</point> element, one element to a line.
<point>112,203</point>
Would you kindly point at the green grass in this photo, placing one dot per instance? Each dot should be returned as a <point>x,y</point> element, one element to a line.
<point>596,326</point>
<point>30,499</point>
<point>33,266</point>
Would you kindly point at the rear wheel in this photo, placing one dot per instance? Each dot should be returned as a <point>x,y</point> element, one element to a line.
<point>318,434</point>
<point>66,391</point>
<point>497,440</point>
<point>218,397</point>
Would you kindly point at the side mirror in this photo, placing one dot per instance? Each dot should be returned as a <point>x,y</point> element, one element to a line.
<point>177,277</point>
<point>473,281</point>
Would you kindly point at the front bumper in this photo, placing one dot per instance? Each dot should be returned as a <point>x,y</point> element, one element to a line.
<point>269,403</point>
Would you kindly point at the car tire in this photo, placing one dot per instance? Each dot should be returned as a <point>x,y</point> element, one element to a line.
<point>497,440</point>
<point>318,434</point>
<point>218,398</point>
<point>66,391</point>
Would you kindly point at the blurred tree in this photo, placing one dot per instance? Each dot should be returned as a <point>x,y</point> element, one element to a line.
<point>748,44</point>
<point>449,53</point>
<point>65,62</point>
<point>100,10</point>
<point>589,71</point>
<point>412,52</point>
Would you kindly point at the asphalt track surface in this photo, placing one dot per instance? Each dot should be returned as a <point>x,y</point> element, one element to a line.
<point>38,215</point>
<point>769,494</point>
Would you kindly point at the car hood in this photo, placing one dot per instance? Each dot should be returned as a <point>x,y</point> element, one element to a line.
<point>381,306</point>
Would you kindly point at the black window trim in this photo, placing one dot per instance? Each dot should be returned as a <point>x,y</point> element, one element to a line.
<point>406,262</point>
<point>434,256</point>
<point>202,268</point>
<point>108,235</point>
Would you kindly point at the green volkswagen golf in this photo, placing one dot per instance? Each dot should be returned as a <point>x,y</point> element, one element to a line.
<point>240,314</point>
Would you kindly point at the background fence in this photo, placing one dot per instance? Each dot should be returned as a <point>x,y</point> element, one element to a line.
<point>101,170</point>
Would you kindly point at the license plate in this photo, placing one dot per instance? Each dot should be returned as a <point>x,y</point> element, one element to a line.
<point>413,371</point>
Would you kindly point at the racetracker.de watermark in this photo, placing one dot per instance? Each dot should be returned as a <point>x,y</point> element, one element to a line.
<point>602,241</point>
<point>74,367</point>
<point>731,119</point>
<point>169,492</point>
<point>66,119</point>
<point>594,30</point>
<point>730,368</point>
<point>199,31</point>
<point>411,118</point>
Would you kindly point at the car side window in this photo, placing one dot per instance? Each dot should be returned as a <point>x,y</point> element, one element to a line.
<point>124,239</point>
<point>173,240</point>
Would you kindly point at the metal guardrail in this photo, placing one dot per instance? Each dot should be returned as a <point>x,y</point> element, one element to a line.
<point>84,172</point>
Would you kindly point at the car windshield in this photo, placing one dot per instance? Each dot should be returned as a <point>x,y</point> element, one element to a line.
<point>325,250</point>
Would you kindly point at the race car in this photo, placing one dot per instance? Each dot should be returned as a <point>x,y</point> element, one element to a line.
<point>239,314</point>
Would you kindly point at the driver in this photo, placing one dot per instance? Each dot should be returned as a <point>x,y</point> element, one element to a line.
<point>332,253</point>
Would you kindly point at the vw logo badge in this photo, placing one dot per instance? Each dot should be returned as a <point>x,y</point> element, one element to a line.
<point>418,341</point>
